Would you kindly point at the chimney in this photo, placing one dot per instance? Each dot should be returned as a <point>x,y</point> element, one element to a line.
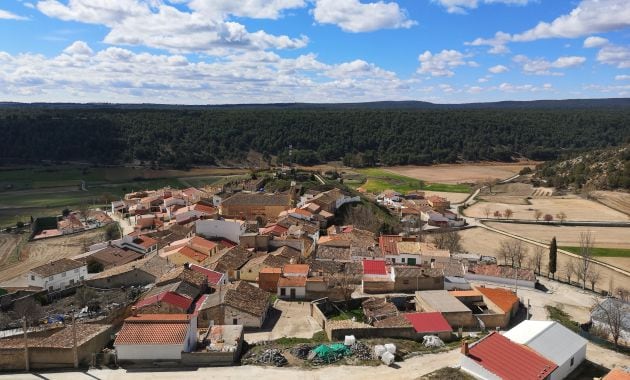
<point>465,350</point>
<point>134,311</point>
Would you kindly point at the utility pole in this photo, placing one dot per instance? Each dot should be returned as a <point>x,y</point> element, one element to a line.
<point>516,281</point>
<point>75,351</point>
<point>27,364</point>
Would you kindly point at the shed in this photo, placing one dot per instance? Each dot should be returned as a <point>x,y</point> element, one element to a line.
<point>455,312</point>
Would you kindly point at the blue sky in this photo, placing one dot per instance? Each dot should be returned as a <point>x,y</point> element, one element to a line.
<point>211,51</point>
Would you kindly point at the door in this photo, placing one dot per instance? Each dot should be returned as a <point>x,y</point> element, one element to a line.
<point>411,261</point>
<point>292,293</point>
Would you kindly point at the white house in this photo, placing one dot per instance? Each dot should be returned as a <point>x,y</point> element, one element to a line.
<point>156,337</point>
<point>57,275</point>
<point>292,287</point>
<point>552,341</point>
<point>230,229</point>
<point>138,243</point>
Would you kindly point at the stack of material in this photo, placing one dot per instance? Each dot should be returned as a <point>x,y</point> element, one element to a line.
<point>272,356</point>
<point>326,354</point>
<point>361,351</point>
<point>432,341</point>
<point>301,351</point>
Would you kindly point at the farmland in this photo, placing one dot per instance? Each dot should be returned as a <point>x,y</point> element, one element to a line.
<point>377,180</point>
<point>614,199</point>
<point>461,173</point>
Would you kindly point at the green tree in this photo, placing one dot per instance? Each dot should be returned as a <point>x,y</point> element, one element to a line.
<point>553,257</point>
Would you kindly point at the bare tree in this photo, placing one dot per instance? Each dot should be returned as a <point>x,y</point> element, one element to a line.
<point>513,250</point>
<point>586,253</point>
<point>569,269</point>
<point>497,214</point>
<point>343,281</point>
<point>548,218</point>
<point>537,258</point>
<point>561,216</point>
<point>508,213</point>
<point>611,314</point>
<point>448,240</point>
<point>538,214</point>
<point>623,294</point>
<point>487,212</point>
<point>593,276</point>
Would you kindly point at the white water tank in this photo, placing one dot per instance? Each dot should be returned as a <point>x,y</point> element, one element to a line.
<point>379,350</point>
<point>391,348</point>
<point>388,358</point>
<point>349,340</point>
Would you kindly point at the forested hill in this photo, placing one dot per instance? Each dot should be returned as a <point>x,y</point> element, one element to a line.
<point>602,169</point>
<point>184,137</point>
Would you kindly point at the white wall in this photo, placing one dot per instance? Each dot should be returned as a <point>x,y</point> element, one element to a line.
<point>564,369</point>
<point>499,280</point>
<point>473,368</point>
<point>59,280</point>
<point>242,318</point>
<point>300,292</point>
<point>149,352</point>
<point>227,229</point>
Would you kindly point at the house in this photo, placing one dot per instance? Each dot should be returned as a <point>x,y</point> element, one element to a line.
<point>388,244</point>
<point>504,299</point>
<point>358,254</point>
<point>214,278</point>
<point>432,323</point>
<point>497,357</point>
<point>439,203</point>
<point>411,279</point>
<point>502,275</point>
<point>140,243</point>
<point>255,205</point>
<point>295,270</point>
<point>377,277</point>
<point>456,313</point>
<point>543,337</point>
<point>238,303</point>
<point>155,337</point>
<point>408,253</point>
<point>251,270</point>
<point>268,279</point>
<point>328,253</point>
<point>615,309</point>
<point>230,261</point>
<point>136,273</point>
<point>111,257</point>
<point>163,300</point>
<point>187,275</point>
<point>229,229</point>
<point>57,275</point>
<point>491,309</point>
<point>179,255</point>
<point>292,287</point>
<point>389,197</point>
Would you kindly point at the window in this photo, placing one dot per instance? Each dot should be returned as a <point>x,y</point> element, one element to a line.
<point>81,278</point>
<point>235,321</point>
<point>32,278</point>
<point>571,362</point>
<point>283,291</point>
<point>402,260</point>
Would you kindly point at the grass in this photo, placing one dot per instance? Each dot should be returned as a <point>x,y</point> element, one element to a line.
<point>378,180</point>
<point>318,337</point>
<point>604,252</point>
<point>560,316</point>
<point>357,314</point>
<point>447,373</point>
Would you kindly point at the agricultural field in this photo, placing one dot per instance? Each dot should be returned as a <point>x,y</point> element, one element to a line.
<point>614,199</point>
<point>8,244</point>
<point>461,173</point>
<point>45,191</point>
<point>377,180</point>
<point>33,254</point>
<point>575,208</point>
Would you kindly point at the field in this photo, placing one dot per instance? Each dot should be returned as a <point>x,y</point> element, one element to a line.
<point>453,197</point>
<point>574,207</point>
<point>461,173</point>
<point>45,191</point>
<point>8,244</point>
<point>598,251</point>
<point>41,252</point>
<point>481,241</point>
<point>380,179</point>
<point>614,199</point>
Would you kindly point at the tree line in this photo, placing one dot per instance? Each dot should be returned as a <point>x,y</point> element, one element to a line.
<point>360,137</point>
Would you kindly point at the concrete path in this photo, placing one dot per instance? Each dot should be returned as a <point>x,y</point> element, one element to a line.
<point>287,319</point>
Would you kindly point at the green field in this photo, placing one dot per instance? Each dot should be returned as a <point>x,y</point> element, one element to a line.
<point>606,252</point>
<point>378,180</point>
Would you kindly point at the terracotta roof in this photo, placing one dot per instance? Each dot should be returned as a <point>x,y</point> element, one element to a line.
<point>230,259</point>
<point>503,298</point>
<point>56,267</point>
<point>183,274</point>
<point>299,269</point>
<point>428,322</point>
<point>274,229</point>
<point>257,199</point>
<point>413,272</point>
<point>367,252</point>
<point>395,321</point>
<point>334,253</point>
<point>509,360</point>
<point>158,329</point>
<point>198,240</point>
<point>502,272</point>
<point>292,281</point>
<point>248,298</point>
<point>388,244</point>
<point>56,337</point>
<point>204,208</point>
<point>168,297</point>
<point>271,270</point>
<point>180,287</point>
<point>153,265</point>
<point>113,256</point>
<point>213,276</point>
<point>192,254</point>
<point>144,241</point>
<point>617,374</point>
<point>464,293</point>
<point>374,267</point>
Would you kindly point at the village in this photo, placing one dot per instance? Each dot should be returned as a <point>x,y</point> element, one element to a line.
<point>239,276</point>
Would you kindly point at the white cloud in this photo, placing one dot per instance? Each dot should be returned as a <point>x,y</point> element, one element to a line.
<point>544,67</point>
<point>260,9</point>
<point>155,24</point>
<point>356,17</point>
<point>442,63</point>
<point>618,56</point>
<point>461,6</point>
<point>622,77</point>
<point>595,41</point>
<point>6,15</point>
<point>78,48</point>
<point>497,43</point>
<point>498,69</point>
<point>590,16</point>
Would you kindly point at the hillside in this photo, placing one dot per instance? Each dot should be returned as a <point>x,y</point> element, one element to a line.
<point>181,136</point>
<point>601,169</point>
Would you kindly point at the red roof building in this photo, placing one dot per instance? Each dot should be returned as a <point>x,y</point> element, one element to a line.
<point>214,277</point>
<point>172,300</point>
<point>374,268</point>
<point>428,322</point>
<point>505,359</point>
<point>389,244</point>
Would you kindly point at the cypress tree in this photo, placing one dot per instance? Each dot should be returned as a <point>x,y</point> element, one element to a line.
<point>553,255</point>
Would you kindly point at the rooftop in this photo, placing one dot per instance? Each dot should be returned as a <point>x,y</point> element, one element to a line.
<point>494,270</point>
<point>168,297</point>
<point>333,253</point>
<point>213,276</point>
<point>298,269</point>
<point>374,267</point>
<point>113,256</point>
<point>57,266</point>
<point>257,199</point>
<point>428,322</point>
<point>442,301</point>
<point>183,274</point>
<point>292,282</point>
<point>388,244</point>
<point>156,329</point>
<point>503,298</point>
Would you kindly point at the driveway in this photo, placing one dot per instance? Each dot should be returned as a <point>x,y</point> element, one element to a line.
<point>286,319</point>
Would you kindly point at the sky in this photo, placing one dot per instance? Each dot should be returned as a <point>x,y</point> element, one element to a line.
<point>320,51</point>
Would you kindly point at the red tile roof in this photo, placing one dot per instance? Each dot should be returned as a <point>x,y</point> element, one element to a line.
<point>144,241</point>
<point>205,209</point>
<point>168,297</point>
<point>509,360</point>
<point>193,254</point>
<point>503,298</point>
<point>617,374</point>
<point>213,276</point>
<point>299,282</point>
<point>199,303</point>
<point>388,245</point>
<point>299,269</point>
<point>158,329</point>
<point>198,240</point>
<point>374,267</point>
<point>428,322</point>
